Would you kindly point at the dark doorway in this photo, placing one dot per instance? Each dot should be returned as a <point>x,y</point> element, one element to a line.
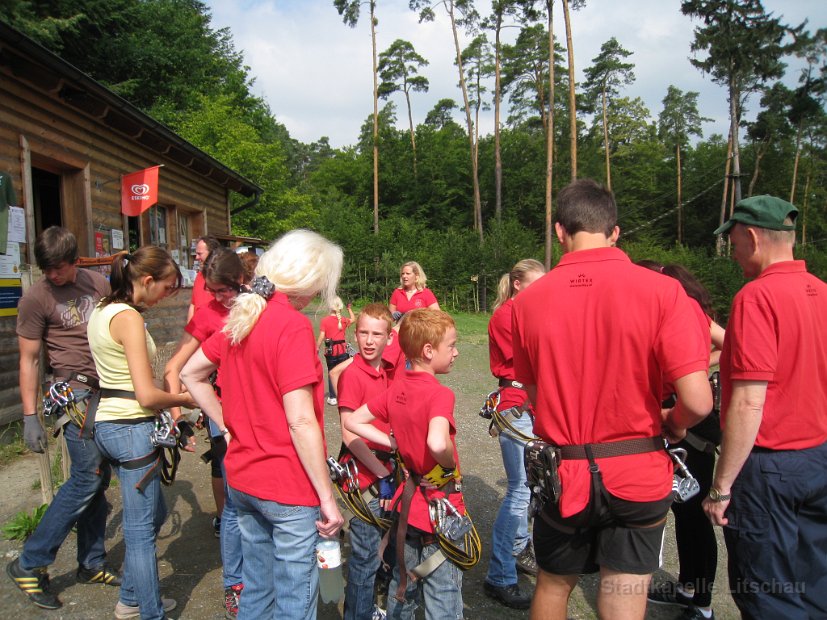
<point>46,198</point>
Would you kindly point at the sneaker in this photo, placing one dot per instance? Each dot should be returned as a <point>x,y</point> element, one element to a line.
<point>97,575</point>
<point>526,562</point>
<point>216,526</point>
<point>332,401</point>
<point>378,613</point>
<point>231,596</point>
<point>693,613</point>
<point>34,583</point>
<point>510,596</point>
<point>124,611</point>
<point>667,594</point>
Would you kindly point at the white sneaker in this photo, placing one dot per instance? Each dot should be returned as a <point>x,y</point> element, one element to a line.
<point>124,612</point>
<point>378,613</point>
<point>332,401</point>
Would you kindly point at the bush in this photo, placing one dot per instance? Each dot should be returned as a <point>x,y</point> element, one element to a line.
<point>23,524</point>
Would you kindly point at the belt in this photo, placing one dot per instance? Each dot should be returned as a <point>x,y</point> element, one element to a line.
<point>70,375</point>
<point>504,383</point>
<point>609,449</point>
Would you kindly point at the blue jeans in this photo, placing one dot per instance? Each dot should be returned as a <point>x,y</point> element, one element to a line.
<point>332,362</point>
<point>440,592</point>
<point>278,542</point>
<point>510,535</point>
<point>82,500</point>
<point>362,566</point>
<point>143,513</point>
<point>231,557</point>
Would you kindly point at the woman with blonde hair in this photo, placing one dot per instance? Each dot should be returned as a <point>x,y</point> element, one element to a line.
<point>333,333</point>
<point>411,293</point>
<point>272,408</point>
<point>511,547</point>
<point>126,416</point>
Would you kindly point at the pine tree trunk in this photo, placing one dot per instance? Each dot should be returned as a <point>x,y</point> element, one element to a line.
<point>413,133</point>
<point>795,162</point>
<point>733,130</point>
<point>722,218</point>
<point>375,123</point>
<point>470,123</point>
<point>498,163</point>
<point>549,135</point>
<point>680,198</point>
<point>606,141</point>
<point>806,204</point>
<point>572,94</point>
<point>759,155</point>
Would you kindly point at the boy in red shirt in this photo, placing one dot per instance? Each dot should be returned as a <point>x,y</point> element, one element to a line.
<point>364,378</point>
<point>420,412</point>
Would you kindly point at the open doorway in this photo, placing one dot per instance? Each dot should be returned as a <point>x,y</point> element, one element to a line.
<point>46,199</point>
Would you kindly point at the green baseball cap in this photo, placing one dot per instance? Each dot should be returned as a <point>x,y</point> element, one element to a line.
<point>762,212</point>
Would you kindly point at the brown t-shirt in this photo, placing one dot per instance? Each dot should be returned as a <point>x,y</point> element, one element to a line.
<point>59,314</point>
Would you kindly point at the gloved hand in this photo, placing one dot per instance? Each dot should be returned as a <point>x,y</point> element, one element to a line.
<point>34,434</point>
<point>387,487</point>
<point>185,432</point>
<point>397,315</point>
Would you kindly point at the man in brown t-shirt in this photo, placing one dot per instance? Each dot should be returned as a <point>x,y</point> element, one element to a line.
<point>55,310</point>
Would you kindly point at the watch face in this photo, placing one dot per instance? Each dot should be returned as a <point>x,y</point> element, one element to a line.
<point>714,494</point>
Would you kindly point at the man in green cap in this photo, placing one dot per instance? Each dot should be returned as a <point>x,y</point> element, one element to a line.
<point>770,486</point>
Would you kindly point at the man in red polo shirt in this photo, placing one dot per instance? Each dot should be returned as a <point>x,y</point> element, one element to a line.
<point>770,485</point>
<point>594,339</point>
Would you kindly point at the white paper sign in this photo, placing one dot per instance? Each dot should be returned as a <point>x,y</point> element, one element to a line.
<point>10,261</point>
<point>17,225</point>
<point>117,239</point>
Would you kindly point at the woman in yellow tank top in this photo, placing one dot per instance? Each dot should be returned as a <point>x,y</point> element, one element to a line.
<point>123,350</point>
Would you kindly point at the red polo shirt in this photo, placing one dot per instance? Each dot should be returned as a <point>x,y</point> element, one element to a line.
<point>598,335</point>
<point>278,356</point>
<point>777,333</point>
<point>409,405</point>
<point>420,299</point>
<point>207,320</point>
<point>200,295</point>
<point>501,355</point>
<point>394,357</point>
<point>330,326</point>
<point>357,385</point>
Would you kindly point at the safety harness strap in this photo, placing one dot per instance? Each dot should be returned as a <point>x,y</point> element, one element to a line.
<point>609,449</point>
<point>153,458</point>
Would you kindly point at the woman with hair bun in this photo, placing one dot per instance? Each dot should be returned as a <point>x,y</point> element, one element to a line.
<point>411,293</point>
<point>272,405</point>
<point>126,416</point>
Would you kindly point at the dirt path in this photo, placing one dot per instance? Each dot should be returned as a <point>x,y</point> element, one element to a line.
<point>188,553</point>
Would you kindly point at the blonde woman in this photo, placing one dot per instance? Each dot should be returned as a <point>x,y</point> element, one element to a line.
<point>272,405</point>
<point>411,293</point>
<point>332,333</point>
<point>126,416</point>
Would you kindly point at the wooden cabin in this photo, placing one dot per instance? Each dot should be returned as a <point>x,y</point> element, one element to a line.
<point>65,141</point>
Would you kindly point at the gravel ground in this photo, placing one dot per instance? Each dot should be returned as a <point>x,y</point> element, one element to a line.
<point>188,553</point>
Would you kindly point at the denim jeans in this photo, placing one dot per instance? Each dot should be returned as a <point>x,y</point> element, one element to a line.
<point>82,500</point>
<point>510,535</point>
<point>362,566</point>
<point>332,362</point>
<point>278,542</point>
<point>440,592</point>
<point>143,513</point>
<point>231,558</point>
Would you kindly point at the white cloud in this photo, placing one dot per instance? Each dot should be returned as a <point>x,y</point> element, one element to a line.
<point>315,72</point>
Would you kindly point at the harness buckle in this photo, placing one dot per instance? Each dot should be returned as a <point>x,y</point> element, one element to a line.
<point>684,484</point>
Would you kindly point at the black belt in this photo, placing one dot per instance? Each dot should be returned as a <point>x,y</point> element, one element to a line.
<point>70,375</point>
<point>111,393</point>
<point>504,383</point>
<point>624,447</point>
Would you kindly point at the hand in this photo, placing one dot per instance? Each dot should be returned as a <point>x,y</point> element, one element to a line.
<point>715,511</point>
<point>673,434</point>
<point>188,401</point>
<point>186,436</point>
<point>396,315</point>
<point>387,487</point>
<point>34,434</point>
<point>331,519</point>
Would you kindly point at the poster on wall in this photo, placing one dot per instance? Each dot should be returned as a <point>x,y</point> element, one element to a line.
<point>102,249</point>
<point>11,290</point>
<point>117,239</point>
<point>17,225</point>
<point>10,261</point>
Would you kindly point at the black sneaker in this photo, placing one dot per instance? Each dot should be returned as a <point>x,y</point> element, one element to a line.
<point>693,613</point>
<point>510,596</point>
<point>216,526</point>
<point>97,575</point>
<point>667,594</point>
<point>35,584</point>
<point>526,562</point>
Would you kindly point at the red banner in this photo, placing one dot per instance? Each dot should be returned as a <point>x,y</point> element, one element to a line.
<point>139,191</point>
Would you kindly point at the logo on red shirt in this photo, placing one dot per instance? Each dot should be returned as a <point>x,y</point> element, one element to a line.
<point>581,280</point>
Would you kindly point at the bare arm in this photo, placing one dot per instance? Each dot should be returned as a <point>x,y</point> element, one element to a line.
<point>29,373</point>
<point>743,419</point>
<point>307,439</point>
<point>359,423</point>
<point>717,332</point>
<point>336,372</point>
<point>439,442</point>
<point>190,312</point>
<point>359,448</point>
<point>127,329</point>
<point>196,376</point>
<point>172,371</point>
<point>693,405</point>
<point>434,306</point>
<point>320,339</point>
<point>350,312</point>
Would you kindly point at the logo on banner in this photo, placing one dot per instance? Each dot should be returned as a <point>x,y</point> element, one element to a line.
<point>139,191</point>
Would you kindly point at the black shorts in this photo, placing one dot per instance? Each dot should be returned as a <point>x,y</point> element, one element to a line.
<point>218,447</point>
<point>618,534</point>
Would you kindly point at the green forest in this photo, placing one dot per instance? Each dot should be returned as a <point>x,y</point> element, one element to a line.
<point>468,206</point>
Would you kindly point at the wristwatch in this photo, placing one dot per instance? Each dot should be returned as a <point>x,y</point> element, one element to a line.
<point>716,496</point>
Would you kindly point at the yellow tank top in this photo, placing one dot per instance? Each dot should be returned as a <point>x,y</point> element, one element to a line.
<point>110,361</point>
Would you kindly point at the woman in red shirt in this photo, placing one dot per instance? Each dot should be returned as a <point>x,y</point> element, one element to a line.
<point>332,332</point>
<point>411,293</point>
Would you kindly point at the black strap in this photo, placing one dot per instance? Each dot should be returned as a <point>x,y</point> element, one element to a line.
<point>625,447</point>
<point>505,383</point>
<point>153,457</point>
<point>89,381</point>
<point>112,393</point>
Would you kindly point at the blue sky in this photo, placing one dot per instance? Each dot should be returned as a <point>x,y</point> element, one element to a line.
<point>315,72</point>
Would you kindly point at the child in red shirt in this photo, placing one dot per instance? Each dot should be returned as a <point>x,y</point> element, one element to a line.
<point>420,412</point>
<point>332,332</point>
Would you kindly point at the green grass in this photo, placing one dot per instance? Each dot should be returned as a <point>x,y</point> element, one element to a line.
<point>23,524</point>
<point>472,327</point>
<point>11,443</point>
